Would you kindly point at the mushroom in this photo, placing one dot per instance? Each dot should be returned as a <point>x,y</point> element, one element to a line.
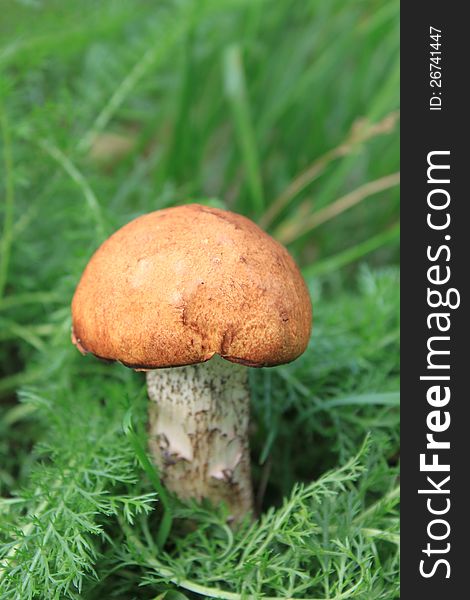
<point>193,296</point>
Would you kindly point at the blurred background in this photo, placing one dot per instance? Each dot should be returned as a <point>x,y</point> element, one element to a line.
<point>286,112</point>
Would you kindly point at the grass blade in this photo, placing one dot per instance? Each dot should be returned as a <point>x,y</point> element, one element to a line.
<point>235,88</point>
<point>289,232</point>
<point>7,237</point>
<point>361,132</point>
<point>336,262</point>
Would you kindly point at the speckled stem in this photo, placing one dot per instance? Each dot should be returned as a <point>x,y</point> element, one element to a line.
<point>198,432</point>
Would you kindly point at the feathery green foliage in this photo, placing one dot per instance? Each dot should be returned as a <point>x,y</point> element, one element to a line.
<point>285,112</point>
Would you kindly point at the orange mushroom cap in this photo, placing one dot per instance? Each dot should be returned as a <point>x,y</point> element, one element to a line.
<point>176,286</point>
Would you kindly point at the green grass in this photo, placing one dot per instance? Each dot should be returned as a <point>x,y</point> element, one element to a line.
<point>285,112</point>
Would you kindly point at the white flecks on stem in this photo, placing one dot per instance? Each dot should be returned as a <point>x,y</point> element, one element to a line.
<point>198,421</point>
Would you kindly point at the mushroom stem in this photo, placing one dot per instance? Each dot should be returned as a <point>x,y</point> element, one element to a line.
<point>198,432</point>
